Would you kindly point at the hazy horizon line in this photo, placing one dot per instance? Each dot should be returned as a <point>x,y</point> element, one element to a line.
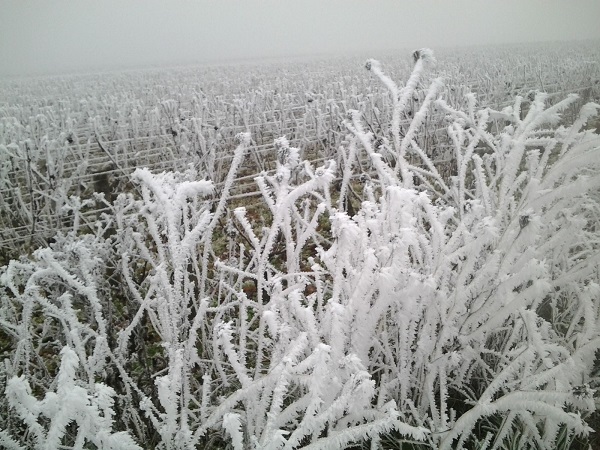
<point>233,61</point>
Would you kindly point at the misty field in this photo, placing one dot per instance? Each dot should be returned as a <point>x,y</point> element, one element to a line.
<point>353,253</point>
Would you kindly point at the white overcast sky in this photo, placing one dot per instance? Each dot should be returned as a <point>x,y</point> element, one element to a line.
<point>41,36</point>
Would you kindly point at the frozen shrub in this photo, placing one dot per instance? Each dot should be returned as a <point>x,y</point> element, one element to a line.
<point>474,297</point>
<point>53,304</point>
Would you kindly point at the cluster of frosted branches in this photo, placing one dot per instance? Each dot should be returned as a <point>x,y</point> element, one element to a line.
<point>475,297</point>
<point>444,305</point>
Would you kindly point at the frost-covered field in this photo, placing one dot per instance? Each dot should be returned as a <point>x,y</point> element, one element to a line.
<point>73,135</point>
<point>316,254</point>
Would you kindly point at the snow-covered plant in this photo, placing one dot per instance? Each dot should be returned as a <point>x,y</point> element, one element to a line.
<point>165,243</point>
<point>54,311</point>
<point>90,410</point>
<point>299,384</point>
<point>474,298</point>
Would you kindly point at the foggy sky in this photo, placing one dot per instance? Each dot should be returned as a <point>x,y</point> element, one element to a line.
<point>54,36</point>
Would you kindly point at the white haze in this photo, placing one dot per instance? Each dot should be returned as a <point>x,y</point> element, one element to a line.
<point>38,36</point>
